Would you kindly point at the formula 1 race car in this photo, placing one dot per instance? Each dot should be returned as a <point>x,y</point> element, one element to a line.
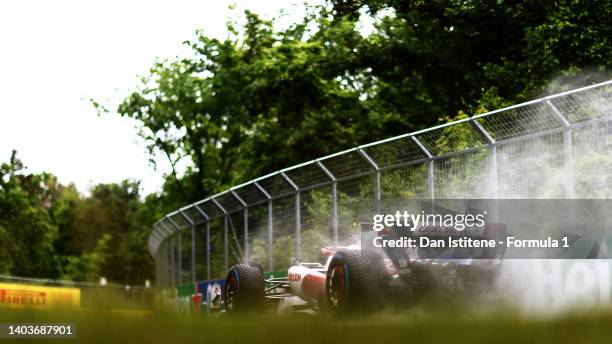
<point>353,278</point>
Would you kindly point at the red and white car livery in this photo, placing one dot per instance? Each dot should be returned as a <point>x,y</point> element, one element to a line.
<point>352,278</point>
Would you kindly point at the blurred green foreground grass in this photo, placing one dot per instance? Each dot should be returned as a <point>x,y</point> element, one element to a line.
<point>421,325</point>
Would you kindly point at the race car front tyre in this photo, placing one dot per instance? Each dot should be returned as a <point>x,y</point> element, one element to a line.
<point>355,281</point>
<point>244,288</point>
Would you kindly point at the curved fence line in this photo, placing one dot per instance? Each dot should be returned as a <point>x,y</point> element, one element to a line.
<point>437,156</point>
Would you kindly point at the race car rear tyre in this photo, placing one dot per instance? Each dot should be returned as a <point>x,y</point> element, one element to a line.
<point>244,288</point>
<point>355,281</point>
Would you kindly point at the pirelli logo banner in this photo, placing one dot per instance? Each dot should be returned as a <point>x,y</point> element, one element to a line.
<point>31,296</point>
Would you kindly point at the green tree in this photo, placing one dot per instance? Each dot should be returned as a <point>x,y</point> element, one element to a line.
<point>87,266</point>
<point>449,54</point>
<point>26,229</point>
<point>51,230</point>
<point>263,99</point>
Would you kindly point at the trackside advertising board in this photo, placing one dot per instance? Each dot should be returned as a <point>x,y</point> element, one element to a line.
<point>41,297</point>
<point>205,296</point>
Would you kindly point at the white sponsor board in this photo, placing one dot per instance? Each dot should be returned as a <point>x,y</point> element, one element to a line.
<point>554,284</point>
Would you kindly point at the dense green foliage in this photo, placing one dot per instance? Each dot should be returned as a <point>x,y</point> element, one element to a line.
<point>51,230</point>
<point>266,98</point>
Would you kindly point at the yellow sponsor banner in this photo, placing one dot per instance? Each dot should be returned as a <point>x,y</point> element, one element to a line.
<point>33,296</point>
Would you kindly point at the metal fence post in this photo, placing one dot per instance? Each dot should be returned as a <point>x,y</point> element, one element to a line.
<point>298,226</point>
<point>193,254</point>
<point>193,246</point>
<point>568,159</point>
<point>168,256</point>
<point>168,263</point>
<point>568,163</point>
<point>172,262</point>
<point>374,165</point>
<point>207,246</point>
<point>493,177</point>
<point>158,266</point>
<point>270,238</point>
<point>430,168</point>
<point>270,227</point>
<point>245,218</point>
<point>335,212</point>
<point>180,259</point>
<point>208,250</point>
<point>334,201</point>
<point>160,278</point>
<point>245,223</point>
<point>493,182</point>
<point>225,244</point>
<point>431,179</point>
<point>225,234</point>
<point>298,215</point>
<point>377,193</point>
<point>180,249</point>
